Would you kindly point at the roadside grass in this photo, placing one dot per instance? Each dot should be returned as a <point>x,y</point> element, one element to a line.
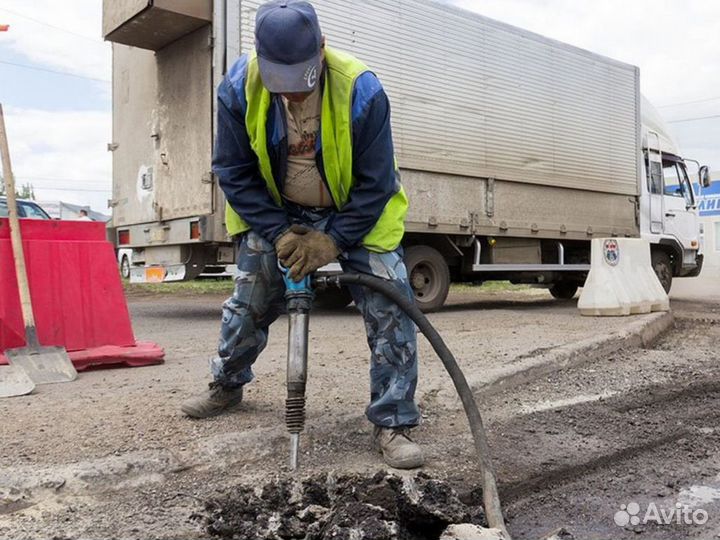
<point>224,286</point>
<point>489,286</point>
<point>196,287</point>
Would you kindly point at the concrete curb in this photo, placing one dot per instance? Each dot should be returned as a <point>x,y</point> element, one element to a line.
<point>641,331</point>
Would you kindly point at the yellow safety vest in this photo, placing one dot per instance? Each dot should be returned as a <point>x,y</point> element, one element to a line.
<point>336,131</point>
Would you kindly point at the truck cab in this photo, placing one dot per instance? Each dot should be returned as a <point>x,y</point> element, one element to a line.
<point>669,217</point>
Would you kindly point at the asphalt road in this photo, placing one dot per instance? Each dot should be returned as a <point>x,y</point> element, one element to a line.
<point>110,454</point>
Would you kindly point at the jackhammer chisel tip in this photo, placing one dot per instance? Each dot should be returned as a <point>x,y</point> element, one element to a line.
<point>294,450</point>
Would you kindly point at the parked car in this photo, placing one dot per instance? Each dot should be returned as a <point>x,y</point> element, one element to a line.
<point>26,209</point>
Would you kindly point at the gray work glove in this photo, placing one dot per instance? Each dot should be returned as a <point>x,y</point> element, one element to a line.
<point>306,251</point>
<point>286,243</point>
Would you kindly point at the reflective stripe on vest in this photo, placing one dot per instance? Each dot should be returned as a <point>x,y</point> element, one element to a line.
<point>336,126</point>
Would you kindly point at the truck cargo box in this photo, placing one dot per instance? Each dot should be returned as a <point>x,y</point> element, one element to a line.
<point>478,98</point>
<point>162,131</point>
<point>497,130</point>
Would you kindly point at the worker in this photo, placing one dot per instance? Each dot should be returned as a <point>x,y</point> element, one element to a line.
<point>83,215</point>
<point>304,155</point>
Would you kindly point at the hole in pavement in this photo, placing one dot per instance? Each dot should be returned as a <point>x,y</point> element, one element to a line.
<point>383,506</point>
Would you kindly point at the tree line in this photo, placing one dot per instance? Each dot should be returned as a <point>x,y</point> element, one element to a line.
<point>26,191</point>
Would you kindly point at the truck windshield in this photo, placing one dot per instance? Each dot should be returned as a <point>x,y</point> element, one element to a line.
<point>676,181</point>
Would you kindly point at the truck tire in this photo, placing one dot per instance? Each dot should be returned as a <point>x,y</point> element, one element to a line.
<point>563,290</point>
<point>125,267</point>
<point>663,269</point>
<point>332,299</point>
<point>429,277</point>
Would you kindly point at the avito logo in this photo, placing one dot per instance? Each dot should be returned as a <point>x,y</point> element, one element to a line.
<point>630,514</point>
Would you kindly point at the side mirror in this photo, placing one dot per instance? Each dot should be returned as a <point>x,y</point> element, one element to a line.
<point>704,175</point>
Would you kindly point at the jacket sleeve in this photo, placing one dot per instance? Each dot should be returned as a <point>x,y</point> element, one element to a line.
<point>236,166</point>
<point>373,163</point>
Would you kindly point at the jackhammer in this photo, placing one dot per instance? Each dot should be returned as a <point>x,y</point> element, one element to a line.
<point>299,298</point>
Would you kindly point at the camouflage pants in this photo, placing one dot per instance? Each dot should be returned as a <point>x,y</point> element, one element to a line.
<point>258,300</point>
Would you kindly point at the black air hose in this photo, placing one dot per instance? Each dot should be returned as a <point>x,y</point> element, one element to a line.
<point>491,499</point>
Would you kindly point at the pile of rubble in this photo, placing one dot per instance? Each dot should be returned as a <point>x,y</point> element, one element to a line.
<point>381,507</point>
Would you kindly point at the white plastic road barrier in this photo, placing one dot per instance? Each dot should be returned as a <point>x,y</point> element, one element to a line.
<point>621,280</point>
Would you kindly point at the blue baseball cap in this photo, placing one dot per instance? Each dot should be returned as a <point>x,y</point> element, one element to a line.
<point>288,42</point>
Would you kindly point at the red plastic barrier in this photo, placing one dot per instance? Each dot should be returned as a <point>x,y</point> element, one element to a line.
<point>76,292</point>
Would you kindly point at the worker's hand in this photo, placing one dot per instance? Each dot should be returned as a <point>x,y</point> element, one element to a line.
<point>288,241</point>
<point>313,250</point>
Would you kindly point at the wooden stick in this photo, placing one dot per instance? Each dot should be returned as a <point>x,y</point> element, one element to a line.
<point>16,239</point>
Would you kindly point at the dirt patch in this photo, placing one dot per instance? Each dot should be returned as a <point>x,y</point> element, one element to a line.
<point>379,507</point>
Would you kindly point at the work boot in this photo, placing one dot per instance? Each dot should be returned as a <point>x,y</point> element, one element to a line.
<point>397,448</point>
<point>213,401</point>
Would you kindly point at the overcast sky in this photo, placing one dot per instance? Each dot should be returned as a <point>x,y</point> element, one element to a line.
<point>60,123</point>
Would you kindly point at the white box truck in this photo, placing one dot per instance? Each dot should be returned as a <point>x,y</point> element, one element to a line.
<point>515,150</point>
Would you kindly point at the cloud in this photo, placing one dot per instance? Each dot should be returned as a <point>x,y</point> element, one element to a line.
<point>78,50</point>
<point>62,149</point>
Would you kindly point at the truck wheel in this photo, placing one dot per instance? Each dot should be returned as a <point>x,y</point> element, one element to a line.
<point>125,267</point>
<point>563,290</point>
<point>663,269</point>
<point>429,277</point>
<point>332,299</point>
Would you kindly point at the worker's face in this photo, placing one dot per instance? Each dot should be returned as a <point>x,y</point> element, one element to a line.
<point>299,97</point>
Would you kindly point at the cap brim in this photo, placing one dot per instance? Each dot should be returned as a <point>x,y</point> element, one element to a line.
<point>290,79</point>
